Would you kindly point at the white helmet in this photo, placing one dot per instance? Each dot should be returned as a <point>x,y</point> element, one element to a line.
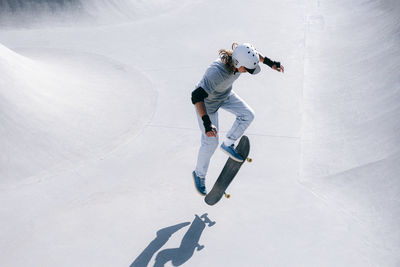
<point>247,56</point>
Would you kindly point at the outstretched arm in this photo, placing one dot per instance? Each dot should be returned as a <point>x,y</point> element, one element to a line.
<point>276,65</point>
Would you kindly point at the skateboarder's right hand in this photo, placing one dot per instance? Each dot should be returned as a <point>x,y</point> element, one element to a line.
<point>211,130</point>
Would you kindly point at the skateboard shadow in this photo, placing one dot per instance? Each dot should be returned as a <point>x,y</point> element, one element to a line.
<point>177,256</point>
<point>162,237</point>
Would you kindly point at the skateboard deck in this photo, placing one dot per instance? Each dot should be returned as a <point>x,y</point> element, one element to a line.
<point>229,172</point>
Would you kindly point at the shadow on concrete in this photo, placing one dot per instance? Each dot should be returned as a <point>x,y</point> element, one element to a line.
<point>177,256</point>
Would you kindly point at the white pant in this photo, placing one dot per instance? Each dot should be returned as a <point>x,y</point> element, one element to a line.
<point>244,116</point>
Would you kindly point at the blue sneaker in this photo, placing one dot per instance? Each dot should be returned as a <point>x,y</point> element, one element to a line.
<point>231,152</point>
<point>200,184</point>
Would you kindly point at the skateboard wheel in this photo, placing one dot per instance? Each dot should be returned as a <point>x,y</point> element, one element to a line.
<point>249,160</point>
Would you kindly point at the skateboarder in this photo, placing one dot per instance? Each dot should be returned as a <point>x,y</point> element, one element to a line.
<point>214,91</point>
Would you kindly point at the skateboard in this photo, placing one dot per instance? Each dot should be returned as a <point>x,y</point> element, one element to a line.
<point>229,172</point>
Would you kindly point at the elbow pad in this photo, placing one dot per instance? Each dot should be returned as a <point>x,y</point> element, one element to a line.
<point>198,95</point>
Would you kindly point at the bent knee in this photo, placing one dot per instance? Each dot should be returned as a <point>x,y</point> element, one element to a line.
<point>251,116</point>
<point>248,116</point>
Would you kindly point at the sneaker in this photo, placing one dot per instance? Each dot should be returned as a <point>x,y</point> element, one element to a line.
<point>231,152</point>
<point>200,184</point>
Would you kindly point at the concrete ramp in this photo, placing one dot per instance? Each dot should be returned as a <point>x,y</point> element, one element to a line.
<point>50,13</point>
<point>98,136</point>
<point>351,125</point>
<point>55,108</point>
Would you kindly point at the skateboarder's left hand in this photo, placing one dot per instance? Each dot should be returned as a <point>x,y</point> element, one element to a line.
<point>280,69</point>
<point>273,64</point>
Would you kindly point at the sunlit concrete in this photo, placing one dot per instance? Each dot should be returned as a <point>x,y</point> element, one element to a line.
<point>99,137</point>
